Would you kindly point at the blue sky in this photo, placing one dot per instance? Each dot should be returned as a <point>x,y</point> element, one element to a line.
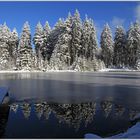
<point>16,13</point>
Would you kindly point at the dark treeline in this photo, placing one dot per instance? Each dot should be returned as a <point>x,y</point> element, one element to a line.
<point>70,45</point>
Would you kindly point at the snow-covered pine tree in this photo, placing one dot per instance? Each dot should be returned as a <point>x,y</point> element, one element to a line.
<point>107,46</point>
<point>46,30</point>
<point>137,28</point>
<point>13,47</point>
<point>119,47</point>
<point>86,38</point>
<point>61,56</point>
<point>93,46</point>
<point>129,44</point>
<point>46,33</point>
<point>89,45</point>
<point>68,34</point>
<point>25,49</point>
<point>76,48</point>
<point>38,41</point>
<point>54,36</point>
<point>46,49</point>
<point>133,45</point>
<point>5,59</point>
<point>34,60</point>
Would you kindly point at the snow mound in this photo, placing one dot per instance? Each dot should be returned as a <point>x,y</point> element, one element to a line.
<point>133,132</point>
<point>92,136</point>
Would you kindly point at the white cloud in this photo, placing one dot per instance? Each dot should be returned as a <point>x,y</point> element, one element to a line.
<point>137,12</point>
<point>116,21</point>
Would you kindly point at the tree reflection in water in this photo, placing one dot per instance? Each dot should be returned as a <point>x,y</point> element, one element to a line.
<point>106,107</point>
<point>26,109</point>
<point>14,107</point>
<point>42,109</point>
<point>133,114</point>
<point>73,115</point>
<point>119,110</point>
<point>39,109</point>
<point>4,113</point>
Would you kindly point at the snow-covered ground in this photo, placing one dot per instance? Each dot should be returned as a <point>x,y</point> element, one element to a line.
<point>116,70</point>
<point>12,71</point>
<point>25,71</point>
<point>102,70</point>
<point>133,132</point>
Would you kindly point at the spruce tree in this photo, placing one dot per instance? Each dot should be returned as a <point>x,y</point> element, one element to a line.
<point>93,46</point>
<point>38,41</point>
<point>137,56</point>
<point>46,49</point>
<point>61,55</point>
<point>25,49</point>
<point>13,47</point>
<point>133,45</point>
<point>5,59</point>
<point>107,46</point>
<point>86,38</point>
<point>53,37</point>
<point>76,48</point>
<point>119,47</point>
<point>129,46</point>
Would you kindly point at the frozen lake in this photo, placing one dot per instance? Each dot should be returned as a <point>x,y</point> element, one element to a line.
<point>43,105</point>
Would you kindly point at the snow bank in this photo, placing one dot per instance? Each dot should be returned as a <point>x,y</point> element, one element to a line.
<point>133,132</point>
<point>26,71</point>
<point>22,71</point>
<point>92,136</point>
<point>102,70</point>
<point>61,71</point>
<point>116,70</point>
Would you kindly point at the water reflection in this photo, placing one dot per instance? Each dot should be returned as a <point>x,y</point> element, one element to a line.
<point>14,107</point>
<point>119,110</point>
<point>42,109</point>
<point>106,107</point>
<point>26,109</point>
<point>39,108</point>
<point>104,118</point>
<point>47,111</point>
<point>4,112</point>
<point>23,76</point>
<point>74,115</point>
<point>133,114</point>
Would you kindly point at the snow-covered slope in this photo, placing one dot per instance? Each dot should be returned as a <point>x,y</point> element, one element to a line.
<point>133,132</point>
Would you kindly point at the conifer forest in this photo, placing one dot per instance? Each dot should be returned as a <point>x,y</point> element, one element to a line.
<point>70,45</point>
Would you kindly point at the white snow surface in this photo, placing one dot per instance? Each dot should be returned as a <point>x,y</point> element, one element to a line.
<point>102,70</point>
<point>116,70</point>
<point>133,132</point>
<point>34,71</point>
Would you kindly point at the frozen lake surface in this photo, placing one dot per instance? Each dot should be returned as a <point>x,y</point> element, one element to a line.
<point>43,105</point>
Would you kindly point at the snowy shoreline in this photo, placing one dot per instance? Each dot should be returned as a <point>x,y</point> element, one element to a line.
<point>118,70</point>
<point>103,70</point>
<point>37,71</point>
